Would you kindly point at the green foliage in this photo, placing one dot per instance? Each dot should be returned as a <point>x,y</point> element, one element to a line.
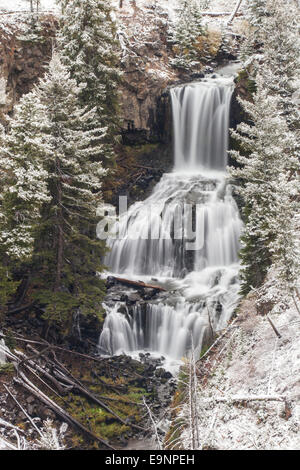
<point>51,172</point>
<point>66,252</point>
<point>244,78</point>
<point>7,368</point>
<point>8,288</point>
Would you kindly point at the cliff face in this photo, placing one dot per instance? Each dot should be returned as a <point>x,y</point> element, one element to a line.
<point>22,61</point>
<point>146,73</point>
<point>145,65</point>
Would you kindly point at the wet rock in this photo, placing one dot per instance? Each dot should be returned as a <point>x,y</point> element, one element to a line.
<point>30,409</point>
<point>133,298</point>
<point>197,75</point>
<point>163,373</point>
<point>208,70</point>
<point>30,399</point>
<point>148,293</point>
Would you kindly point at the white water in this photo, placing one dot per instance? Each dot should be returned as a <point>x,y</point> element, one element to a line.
<point>201,121</point>
<point>203,280</point>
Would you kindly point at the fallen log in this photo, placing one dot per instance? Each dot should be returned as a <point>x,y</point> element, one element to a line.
<point>220,13</point>
<point>58,376</point>
<point>31,388</point>
<point>138,284</point>
<point>21,309</point>
<point>85,392</point>
<point>237,399</point>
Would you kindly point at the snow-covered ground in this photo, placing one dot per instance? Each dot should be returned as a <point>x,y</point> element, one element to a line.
<point>24,5</point>
<point>252,362</point>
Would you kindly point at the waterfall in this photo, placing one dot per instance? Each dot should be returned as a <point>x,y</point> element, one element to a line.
<point>186,234</point>
<point>201,117</point>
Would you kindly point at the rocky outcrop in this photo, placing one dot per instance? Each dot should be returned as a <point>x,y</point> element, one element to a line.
<point>147,73</point>
<point>22,61</point>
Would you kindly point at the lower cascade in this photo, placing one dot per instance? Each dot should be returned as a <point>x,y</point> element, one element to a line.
<point>185,236</point>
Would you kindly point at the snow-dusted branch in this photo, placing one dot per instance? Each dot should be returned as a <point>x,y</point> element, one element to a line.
<point>154,425</point>
<point>235,12</point>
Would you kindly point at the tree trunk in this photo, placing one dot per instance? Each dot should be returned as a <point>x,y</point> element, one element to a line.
<point>234,13</point>
<point>60,238</point>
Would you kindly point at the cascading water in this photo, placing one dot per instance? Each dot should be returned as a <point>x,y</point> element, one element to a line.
<point>201,119</point>
<point>186,234</point>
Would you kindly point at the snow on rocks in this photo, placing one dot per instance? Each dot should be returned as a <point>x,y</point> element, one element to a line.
<point>252,362</point>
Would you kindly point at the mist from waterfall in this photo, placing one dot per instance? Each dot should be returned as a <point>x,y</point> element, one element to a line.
<point>185,234</point>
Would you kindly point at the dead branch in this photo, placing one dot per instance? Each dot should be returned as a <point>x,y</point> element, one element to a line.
<point>30,387</point>
<point>235,12</point>
<point>23,411</point>
<point>72,384</point>
<point>273,326</point>
<point>21,309</point>
<point>217,340</point>
<point>85,392</point>
<point>7,425</point>
<point>153,424</point>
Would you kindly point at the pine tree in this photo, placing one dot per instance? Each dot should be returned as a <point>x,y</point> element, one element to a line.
<point>87,42</point>
<point>23,179</point>
<point>270,166</point>
<point>185,35</point>
<point>23,190</point>
<point>285,246</point>
<point>281,41</point>
<point>266,172</point>
<point>274,33</point>
<point>67,254</point>
<point>255,13</point>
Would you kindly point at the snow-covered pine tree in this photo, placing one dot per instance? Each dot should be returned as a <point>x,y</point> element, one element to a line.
<point>255,13</point>
<point>280,35</point>
<point>88,45</point>
<point>270,161</point>
<point>186,33</point>
<point>23,179</point>
<point>285,246</point>
<point>274,33</point>
<point>67,254</point>
<point>23,190</point>
<point>273,149</point>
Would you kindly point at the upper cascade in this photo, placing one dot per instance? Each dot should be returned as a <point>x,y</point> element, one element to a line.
<point>201,121</point>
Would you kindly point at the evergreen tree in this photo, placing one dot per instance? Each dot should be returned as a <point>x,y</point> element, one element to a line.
<point>87,41</point>
<point>23,190</point>
<point>67,254</point>
<point>268,177</point>
<point>274,34</point>
<point>186,33</point>
<point>23,179</point>
<point>285,246</point>
<point>281,41</point>
<point>255,13</point>
<point>269,171</point>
